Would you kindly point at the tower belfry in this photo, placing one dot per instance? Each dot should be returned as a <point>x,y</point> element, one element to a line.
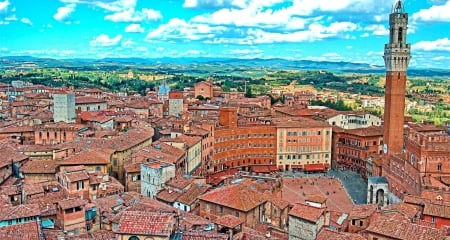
<point>396,59</point>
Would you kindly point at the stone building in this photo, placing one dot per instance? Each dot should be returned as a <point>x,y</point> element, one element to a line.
<point>154,175</point>
<point>175,103</point>
<point>306,221</point>
<point>64,108</point>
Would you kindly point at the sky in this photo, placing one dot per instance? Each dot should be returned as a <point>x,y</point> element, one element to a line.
<point>323,30</point>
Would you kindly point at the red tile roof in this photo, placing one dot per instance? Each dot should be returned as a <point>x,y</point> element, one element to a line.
<point>204,236</point>
<point>145,223</point>
<point>295,190</point>
<point>362,211</point>
<point>229,221</point>
<point>242,196</point>
<point>437,210</point>
<point>71,203</point>
<point>390,227</point>
<point>20,211</point>
<point>29,231</point>
<point>328,234</point>
<point>306,212</point>
<point>9,154</point>
<point>192,193</point>
<point>39,166</point>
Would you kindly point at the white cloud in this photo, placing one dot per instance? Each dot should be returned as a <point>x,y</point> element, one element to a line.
<point>4,5</point>
<point>64,12</point>
<point>127,43</point>
<point>245,51</point>
<point>377,29</point>
<point>364,35</point>
<point>134,28</point>
<point>331,56</point>
<point>130,15</point>
<point>11,18</point>
<point>180,29</point>
<point>439,13</point>
<point>104,40</point>
<point>26,21</point>
<point>216,3</point>
<point>442,44</point>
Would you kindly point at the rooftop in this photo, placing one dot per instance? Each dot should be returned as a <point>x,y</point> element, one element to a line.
<point>145,223</point>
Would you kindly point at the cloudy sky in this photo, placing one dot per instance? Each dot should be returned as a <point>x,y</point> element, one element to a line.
<point>332,30</point>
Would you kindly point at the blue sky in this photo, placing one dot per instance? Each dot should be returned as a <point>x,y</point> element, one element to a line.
<point>332,30</point>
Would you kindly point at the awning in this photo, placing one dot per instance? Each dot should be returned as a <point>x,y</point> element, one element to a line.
<point>318,167</point>
<point>297,166</point>
<point>273,168</point>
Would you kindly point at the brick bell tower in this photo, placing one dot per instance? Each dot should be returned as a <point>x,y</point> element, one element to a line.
<point>396,59</point>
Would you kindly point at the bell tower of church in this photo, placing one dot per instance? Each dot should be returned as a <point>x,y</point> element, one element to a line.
<point>396,59</point>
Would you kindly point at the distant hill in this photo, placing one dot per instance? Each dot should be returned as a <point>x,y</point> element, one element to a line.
<point>273,63</point>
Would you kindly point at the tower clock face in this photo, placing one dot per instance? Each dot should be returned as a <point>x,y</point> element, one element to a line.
<point>385,148</point>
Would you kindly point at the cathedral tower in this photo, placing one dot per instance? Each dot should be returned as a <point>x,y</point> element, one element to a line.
<point>396,59</point>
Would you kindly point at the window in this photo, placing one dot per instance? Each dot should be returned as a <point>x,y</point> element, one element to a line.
<point>207,206</point>
<point>237,214</point>
<point>433,219</point>
<point>115,162</point>
<point>80,185</point>
<point>219,209</point>
<point>439,167</point>
<point>360,223</point>
<point>353,222</point>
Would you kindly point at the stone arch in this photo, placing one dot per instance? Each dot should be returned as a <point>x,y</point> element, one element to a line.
<point>380,197</point>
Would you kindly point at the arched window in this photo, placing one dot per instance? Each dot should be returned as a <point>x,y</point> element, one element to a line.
<point>400,35</point>
<point>133,238</point>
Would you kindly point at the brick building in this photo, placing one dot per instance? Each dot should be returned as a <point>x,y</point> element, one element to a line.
<point>242,145</point>
<point>352,147</point>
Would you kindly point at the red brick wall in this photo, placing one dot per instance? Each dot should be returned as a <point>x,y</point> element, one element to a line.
<point>394,111</point>
<point>244,146</point>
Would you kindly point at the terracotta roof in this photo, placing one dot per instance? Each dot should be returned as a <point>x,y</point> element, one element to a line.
<point>202,235</point>
<point>179,182</point>
<point>402,229</point>
<point>20,211</point>
<point>192,193</point>
<point>39,166</point>
<point>298,122</point>
<point>93,156</point>
<point>145,223</point>
<point>242,196</point>
<point>403,208</point>
<point>362,211</point>
<point>229,221</point>
<point>316,198</point>
<point>438,210</point>
<point>29,231</point>
<point>328,234</point>
<point>88,99</point>
<point>295,190</point>
<point>9,154</point>
<point>167,196</point>
<point>306,212</point>
<point>71,203</point>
